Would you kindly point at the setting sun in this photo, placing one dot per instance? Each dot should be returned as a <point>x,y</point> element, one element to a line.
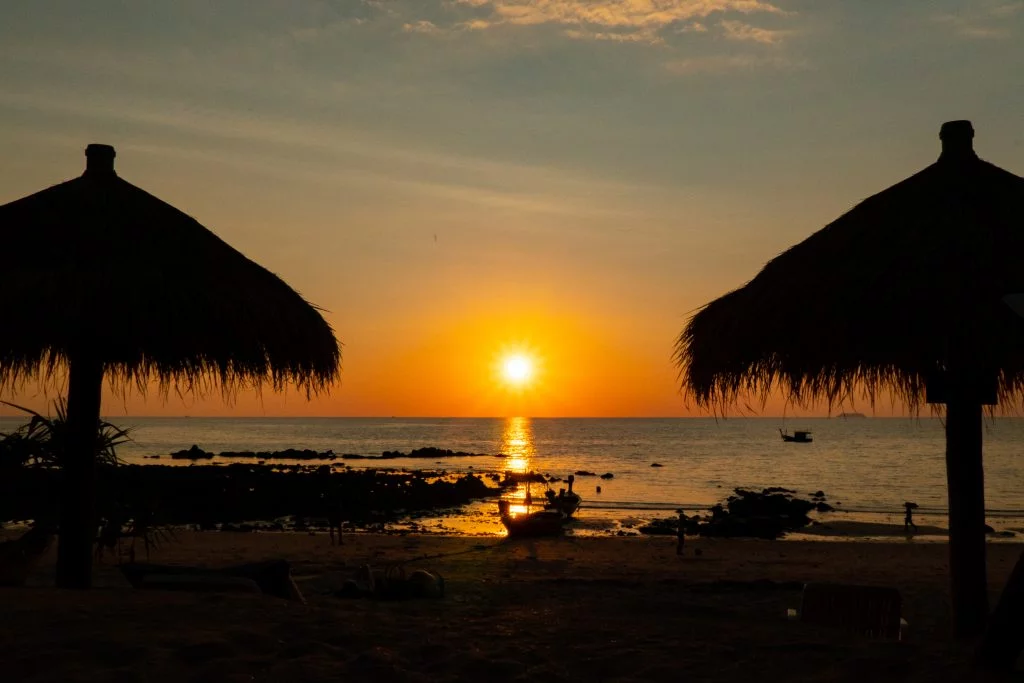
<point>517,369</point>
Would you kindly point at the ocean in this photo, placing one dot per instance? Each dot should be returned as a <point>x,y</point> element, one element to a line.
<point>867,467</point>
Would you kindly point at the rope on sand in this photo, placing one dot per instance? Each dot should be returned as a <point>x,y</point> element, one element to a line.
<point>437,556</point>
<point>480,547</point>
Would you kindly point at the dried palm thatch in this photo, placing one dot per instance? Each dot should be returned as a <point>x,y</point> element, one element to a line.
<point>96,263</point>
<point>906,283</point>
<point>904,293</point>
<point>109,281</point>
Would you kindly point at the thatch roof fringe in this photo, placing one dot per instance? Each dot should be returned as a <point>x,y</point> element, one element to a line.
<point>98,265</point>
<point>903,284</point>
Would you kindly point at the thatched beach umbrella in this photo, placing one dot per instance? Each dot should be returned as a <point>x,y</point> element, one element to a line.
<point>109,281</point>
<point>904,293</point>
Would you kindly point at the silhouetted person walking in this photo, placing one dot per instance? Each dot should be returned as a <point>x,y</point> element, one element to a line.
<point>908,518</point>
<point>681,533</point>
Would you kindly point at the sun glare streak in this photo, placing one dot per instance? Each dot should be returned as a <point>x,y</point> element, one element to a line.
<point>517,444</point>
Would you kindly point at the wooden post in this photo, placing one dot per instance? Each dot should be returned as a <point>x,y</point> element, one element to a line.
<point>966,486</point>
<point>78,474</point>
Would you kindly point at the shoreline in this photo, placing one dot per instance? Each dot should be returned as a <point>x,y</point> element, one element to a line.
<point>256,497</point>
<point>270,489</point>
<point>836,531</point>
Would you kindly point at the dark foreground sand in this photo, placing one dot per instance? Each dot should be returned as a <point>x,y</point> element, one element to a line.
<point>594,609</point>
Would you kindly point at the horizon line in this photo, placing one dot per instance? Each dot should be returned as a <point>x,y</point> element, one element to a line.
<point>506,417</point>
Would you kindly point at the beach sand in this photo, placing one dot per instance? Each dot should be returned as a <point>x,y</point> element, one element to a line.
<point>590,609</point>
<point>856,529</point>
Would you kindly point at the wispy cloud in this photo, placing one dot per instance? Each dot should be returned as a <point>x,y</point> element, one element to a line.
<point>718,64</point>
<point>617,13</point>
<point>738,30</point>
<point>615,20</point>
<point>694,27</point>
<point>1007,9</point>
<point>336,154</point>
<point>984,32</point>
<point>650,37</point>
<point>991,20</point>
<point>421,26</point>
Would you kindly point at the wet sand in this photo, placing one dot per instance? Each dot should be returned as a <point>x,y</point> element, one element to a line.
<point>569,609</point>
<point>855,529</point>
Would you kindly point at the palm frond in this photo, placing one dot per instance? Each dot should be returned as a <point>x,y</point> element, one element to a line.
<point>43,440</point>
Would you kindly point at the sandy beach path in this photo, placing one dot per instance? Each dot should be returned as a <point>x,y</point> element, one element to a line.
<point>593,609</point>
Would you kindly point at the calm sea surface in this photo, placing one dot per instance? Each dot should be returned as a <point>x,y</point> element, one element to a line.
<point>867,467</point>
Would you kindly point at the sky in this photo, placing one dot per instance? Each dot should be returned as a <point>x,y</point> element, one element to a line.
<point>457,180</point>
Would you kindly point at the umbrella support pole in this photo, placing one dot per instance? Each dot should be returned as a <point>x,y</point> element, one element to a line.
<point>966,486</point>
<point>78,474</point>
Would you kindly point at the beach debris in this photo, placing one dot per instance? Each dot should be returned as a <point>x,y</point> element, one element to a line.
<point>768,514</point>
<point>669,526</point>
<point>522,478</point>
<point>391,583</point>
<point>135,523</point>
<point>194,453</point>
<point>19,557</point>
<point>197,453</point>
<point>429,452</point>
<point>607,475</point>
<point>424,584</point>
<point>287,454</point>
<point>585,473</point>
<point>241,495</point>
<point>656,464</point>
<point>272,577</point>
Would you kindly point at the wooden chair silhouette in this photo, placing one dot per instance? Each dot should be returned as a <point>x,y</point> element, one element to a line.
<point>19,556</point>
<point>871,611</point>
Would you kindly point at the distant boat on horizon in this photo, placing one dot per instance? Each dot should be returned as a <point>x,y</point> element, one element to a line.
<point>851,415</point>
<point>798,436</point>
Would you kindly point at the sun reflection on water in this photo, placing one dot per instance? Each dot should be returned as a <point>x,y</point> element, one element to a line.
<point>517,444</point>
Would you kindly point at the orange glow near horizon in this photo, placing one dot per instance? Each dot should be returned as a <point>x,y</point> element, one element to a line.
<point>457,364</point>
